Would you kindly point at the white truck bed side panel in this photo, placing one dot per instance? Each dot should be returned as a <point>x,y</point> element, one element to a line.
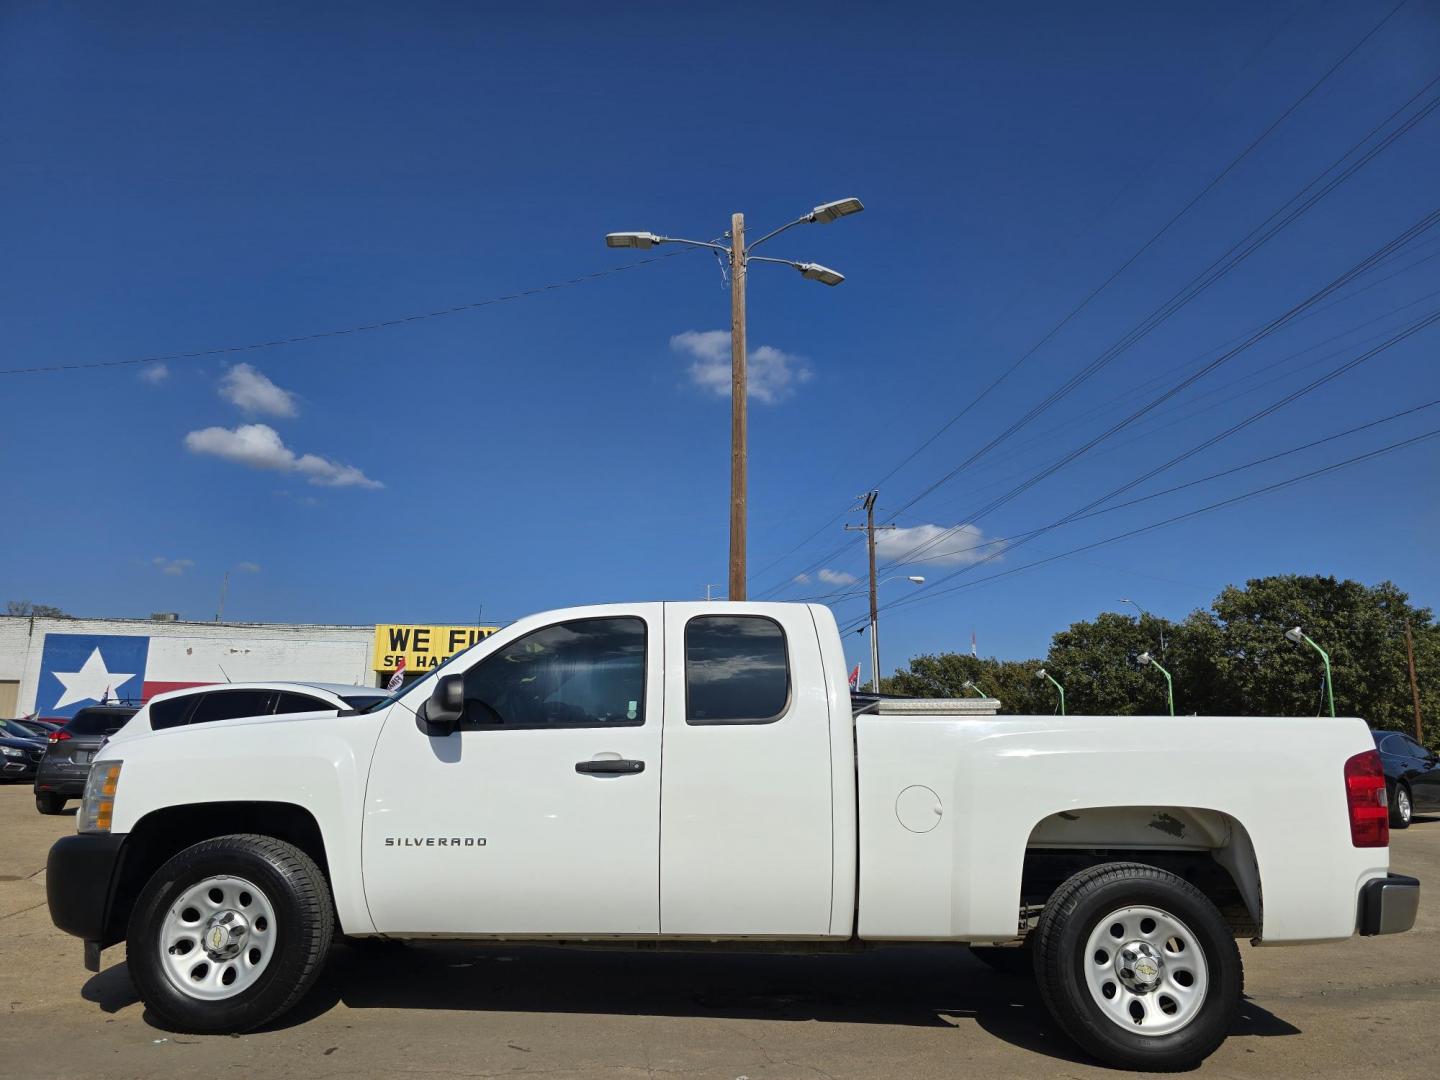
<point>995,778</point>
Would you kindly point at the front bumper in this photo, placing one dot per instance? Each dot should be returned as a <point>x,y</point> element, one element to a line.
<point>80,877</point>
<point>1388,905</point>
<point>17,769</point>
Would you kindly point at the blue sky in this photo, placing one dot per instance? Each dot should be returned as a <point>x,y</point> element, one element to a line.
<point>191,176</point>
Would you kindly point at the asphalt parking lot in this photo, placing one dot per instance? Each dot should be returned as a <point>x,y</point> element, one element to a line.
<point>465,1010</point>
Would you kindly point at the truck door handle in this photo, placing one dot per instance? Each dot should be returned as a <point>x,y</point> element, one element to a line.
<point>610,766</point>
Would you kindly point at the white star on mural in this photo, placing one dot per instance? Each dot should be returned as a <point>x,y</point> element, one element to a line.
<point>89,683</point>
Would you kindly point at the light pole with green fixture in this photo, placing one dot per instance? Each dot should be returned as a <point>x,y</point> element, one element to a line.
<point>1299,636</point>
<point>1146,658</point>
<point>971,684</point>
<point>1043,674</point>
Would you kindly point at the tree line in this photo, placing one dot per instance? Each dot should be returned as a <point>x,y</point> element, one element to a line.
<point>1231,659</point>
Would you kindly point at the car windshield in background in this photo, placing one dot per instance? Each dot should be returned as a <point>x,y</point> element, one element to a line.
<point>16,730</point>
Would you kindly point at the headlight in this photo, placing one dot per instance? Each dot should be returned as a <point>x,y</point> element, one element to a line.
<point>98,806</point>
<point>10,751</point>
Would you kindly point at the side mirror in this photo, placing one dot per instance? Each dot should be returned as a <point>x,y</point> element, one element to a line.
<point>442,711</point>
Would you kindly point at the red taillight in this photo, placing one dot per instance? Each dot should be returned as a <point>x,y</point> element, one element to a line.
<point>59,736</point>
<point>1365,794</point>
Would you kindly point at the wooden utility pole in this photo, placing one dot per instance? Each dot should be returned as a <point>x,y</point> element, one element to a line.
<point>738,408</point>
<point>869,527</point>
<point>1414,686</point>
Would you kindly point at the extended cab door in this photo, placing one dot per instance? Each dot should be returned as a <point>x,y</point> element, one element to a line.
<point>520,823</point>
<point>746,839</point>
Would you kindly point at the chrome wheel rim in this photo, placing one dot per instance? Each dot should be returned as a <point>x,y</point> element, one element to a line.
<point>1146,971</point>
<point>217,938</point>
<point>1402,804</point>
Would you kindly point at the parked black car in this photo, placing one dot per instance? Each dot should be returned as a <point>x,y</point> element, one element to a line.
<point>21,748</point>
<point>1412,776</point>
<point>66,763</point>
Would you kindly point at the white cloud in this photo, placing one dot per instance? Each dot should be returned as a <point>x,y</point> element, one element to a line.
<point>837,577</point>
<point>801,579</point>
<point>248,567</point>
<point>260,447</point>
<point>251,392</point>
<point>958,544</point>
<point>771,374</point>
<point>154,374</point>
<point>173,567</point>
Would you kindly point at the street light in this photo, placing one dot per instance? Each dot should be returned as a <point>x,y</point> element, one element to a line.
<point>1146,615</point>
<point>740,257</point>
<point>971,684</point>
<point>1299,637</point>
<point>1146,658</point>
<point>914,579</point>
<point>1043,674</point>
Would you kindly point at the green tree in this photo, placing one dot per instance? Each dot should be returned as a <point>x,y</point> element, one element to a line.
<point>25,609</point>
<point>1232,659</point>
<point>1362,627</point>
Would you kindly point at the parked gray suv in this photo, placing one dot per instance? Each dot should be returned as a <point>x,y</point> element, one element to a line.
<point>66,763</point>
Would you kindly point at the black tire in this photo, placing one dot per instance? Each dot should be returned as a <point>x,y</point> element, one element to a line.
<point>47,802</point>
<point>304,926</point>
<point>1005,959</point>
<point>1061,945</point>
<point>1401,810</point>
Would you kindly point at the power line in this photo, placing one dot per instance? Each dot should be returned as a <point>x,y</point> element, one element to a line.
<point>1399,336</point>
<point>1018,538</point>
<point>1257,492</point>
<point>1189,292</point>
<point>1207,278</point>
<point>1394,245</point>
<point>569,283</point>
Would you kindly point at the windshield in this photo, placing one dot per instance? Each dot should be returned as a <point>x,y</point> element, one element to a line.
<point>16,730</point>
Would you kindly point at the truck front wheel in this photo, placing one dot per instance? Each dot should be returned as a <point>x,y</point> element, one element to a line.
<point>1138,967</point>
<point>229,934</point>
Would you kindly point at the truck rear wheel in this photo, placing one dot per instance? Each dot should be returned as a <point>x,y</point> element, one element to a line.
<point>229,934</point>
<point>1138,967</point>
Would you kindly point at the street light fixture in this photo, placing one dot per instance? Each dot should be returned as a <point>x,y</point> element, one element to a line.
<point>643,240</point>
<point>1299,637</point>
<point>1043,674</point>
<point>1146,658</point>
<point>971,684</point>
<point>740,258</point>
<point>914,579</point>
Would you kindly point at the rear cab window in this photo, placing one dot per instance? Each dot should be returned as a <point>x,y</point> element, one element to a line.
<point>737,670</point>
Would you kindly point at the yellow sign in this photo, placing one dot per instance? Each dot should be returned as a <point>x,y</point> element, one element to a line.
<point>423,647</point>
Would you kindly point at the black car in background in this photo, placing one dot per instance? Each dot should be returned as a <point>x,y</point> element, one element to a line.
<point>21,748</point>
<point>66,763</point>
<point>1412,776</point>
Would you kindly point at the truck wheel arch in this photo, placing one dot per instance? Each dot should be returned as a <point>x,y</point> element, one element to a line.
<point>164,832</point>
<point>1210,848</point>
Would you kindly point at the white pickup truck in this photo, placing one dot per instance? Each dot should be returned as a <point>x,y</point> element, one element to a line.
<point>694,776</point>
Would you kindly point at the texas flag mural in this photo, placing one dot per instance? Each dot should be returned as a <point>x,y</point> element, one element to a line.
<point>83,669</point>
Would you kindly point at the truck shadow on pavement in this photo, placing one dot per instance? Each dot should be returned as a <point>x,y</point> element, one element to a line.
<point>920,986</point>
